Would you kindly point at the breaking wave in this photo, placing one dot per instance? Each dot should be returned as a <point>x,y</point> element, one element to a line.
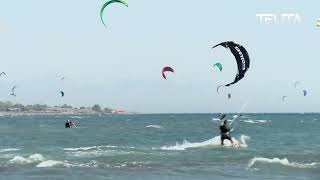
<point>88,148</point>
<point>8,150</point>
<point>283,161</point>
<point>52,163</point>
<point>27,160</point>
<point>254,121</point>
<point>39,161</point>
<point>154,126</point>
<point>96,151</point>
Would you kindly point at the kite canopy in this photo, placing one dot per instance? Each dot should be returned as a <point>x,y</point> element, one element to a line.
<point>108,3</point>
<point>242,58</point>
<point>13,88</point>
<point>62,93</point>
<point>12,91</point>
<point>304,92</point>
<point>166,69</point>
<point>219,88</point>
<point>2,73</point>
<point>296,84</point>
<point>218,65</point>
<point>284,98</point>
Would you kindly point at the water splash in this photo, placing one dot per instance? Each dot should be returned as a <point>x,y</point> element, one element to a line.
<point>214,142</point>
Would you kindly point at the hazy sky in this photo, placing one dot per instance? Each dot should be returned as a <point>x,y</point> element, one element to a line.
<point>120,67</point>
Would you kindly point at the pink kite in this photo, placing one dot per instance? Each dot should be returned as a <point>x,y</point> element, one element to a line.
<point>166,69</point>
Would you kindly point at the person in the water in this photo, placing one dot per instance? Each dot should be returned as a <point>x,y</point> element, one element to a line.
<point>68,124</point>
<point>224,129</point>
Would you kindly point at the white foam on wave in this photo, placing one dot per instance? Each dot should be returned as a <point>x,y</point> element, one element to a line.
<point>27,160</point>
<point>215,119</point>
<point>80,148</point>
<point>95,151</point>
<point>76,117</point>
<point>283,161</point>
<point>254,121</point>
<point>39,160</point>
<point>209,143</point>
<point>8,150</point>
<point>88,148</point>
<point>91,164</point>
<point>154,126</point>
<point>52,163</point>
<point>250,121</point>
<point>263,121</point>
<point>99,152</point>
<point>49,163</point>
<point>66,164</point>
<point>43,125</point>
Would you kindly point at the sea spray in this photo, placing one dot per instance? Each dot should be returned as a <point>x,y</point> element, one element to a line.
<point>283,161</point>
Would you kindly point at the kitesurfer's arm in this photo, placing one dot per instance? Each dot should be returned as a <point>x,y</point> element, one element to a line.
<point>221,123</point>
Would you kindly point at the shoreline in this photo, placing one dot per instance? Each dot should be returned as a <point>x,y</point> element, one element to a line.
<point>68,113</point>
<point>6,114</point>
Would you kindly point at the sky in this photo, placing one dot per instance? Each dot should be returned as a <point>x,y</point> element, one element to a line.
<point>120,66</point>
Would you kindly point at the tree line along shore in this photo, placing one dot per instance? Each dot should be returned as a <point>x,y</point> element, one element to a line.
<point>10,108</point>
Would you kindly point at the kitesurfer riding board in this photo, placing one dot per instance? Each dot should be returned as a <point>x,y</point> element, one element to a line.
<point>225,130</point>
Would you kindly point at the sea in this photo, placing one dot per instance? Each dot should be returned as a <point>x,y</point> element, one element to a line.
<point>160,147</point>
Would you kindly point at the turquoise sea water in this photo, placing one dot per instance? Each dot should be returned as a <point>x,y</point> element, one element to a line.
<point>159,146</point>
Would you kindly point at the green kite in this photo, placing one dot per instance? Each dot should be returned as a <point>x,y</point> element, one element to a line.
<point>106,4</point>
